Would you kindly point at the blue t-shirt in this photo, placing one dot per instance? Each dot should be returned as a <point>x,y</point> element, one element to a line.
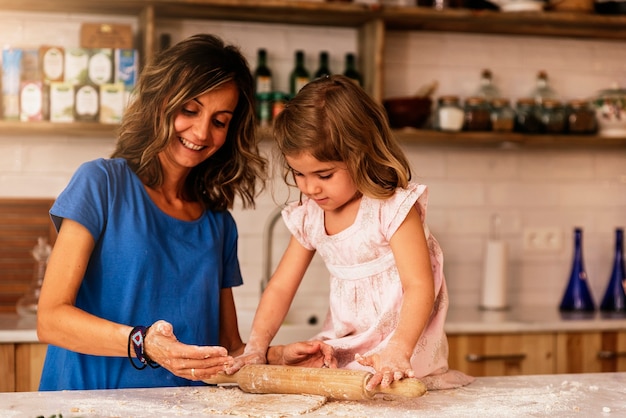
<point>145,266</point>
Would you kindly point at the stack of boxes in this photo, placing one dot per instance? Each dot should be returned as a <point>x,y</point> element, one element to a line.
<point>91,83</point>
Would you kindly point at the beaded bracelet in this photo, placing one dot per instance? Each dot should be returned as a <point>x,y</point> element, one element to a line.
<point>136,339</point>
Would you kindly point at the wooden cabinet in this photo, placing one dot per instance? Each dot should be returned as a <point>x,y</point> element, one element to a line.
<point>371,22</point>
<point>502,354</point>
<point>538,353</point>
<point>20,366</point>
<point>587,352</point>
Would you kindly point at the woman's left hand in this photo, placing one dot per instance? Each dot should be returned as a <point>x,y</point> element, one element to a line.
<point>389,366</point>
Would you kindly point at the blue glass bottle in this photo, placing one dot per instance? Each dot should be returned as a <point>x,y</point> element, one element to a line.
<point>577,297</point>
<point>614,300</point>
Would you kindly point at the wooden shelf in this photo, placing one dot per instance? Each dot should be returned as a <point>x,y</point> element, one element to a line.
<point>505,140</point>
<point>511,140</point>
<point>558,24</point>
<point>84,129</point>
<point>548,23</point>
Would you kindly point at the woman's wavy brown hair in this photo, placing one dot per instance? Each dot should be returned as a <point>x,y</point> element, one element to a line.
<point>333,119</point>
<point>191,68</point>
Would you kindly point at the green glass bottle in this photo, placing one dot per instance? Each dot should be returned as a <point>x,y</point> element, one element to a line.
<point>324,67</point>
<point>262,74</point>
<point>299,76</point>
<point>351,71</point>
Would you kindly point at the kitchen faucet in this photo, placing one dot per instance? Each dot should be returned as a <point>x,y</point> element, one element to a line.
<point>268,240</point>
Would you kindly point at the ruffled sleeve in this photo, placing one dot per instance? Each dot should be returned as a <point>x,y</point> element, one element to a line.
<point>298,217</point>
<point>394,210</point>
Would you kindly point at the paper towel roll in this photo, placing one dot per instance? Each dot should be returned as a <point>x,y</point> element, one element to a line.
<point>494,289</point>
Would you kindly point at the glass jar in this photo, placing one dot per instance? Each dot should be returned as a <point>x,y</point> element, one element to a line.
<point>553,116</point>
<point>527,117</point>
<point>580,117</point>
<point>477,115</point>
<point>450,114</point>
<point>502,115</point>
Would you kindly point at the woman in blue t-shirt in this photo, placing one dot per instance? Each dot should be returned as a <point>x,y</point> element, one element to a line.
<point>138,289</point>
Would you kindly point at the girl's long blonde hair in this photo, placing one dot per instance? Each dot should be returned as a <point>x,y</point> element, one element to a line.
<point>191,68</point>
<point>333,119</point>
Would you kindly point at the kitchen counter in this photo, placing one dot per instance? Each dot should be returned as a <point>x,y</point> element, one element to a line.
<point>583,395</point>
<point>14,328</point>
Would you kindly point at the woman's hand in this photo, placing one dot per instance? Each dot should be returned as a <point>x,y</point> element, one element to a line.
<point>389,366</point>
<point>188,361</point>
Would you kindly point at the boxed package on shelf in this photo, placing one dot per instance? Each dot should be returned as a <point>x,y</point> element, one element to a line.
<point>76,63</point>
<point>61,102</point>
<point>106,35</point>
<point>112,100</point>
<point>31,101</point>
<point>11,79</point>
<point>100,67</point>
<point>52,63</point>
<point>86,103</point>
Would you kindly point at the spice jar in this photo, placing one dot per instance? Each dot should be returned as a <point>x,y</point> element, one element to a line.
<point>450,114</point>
<point>580,117</point>
<point>527,117</point>
<point>502,115</point>
<point>553,117</point>
<point>477,115</point>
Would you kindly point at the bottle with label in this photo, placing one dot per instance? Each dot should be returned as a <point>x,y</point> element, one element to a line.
<point>577,297</point>
<point>324,66</point>
<point>350,71</point>
<point>487,89</point>
<point>262,73</point>
<point>299,76</point>
<point>542,89</point>
<point>614,300</point>
<point>27,304</point>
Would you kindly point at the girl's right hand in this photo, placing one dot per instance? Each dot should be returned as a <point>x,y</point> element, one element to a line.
<point>191,362</point>
<point>251,355</point>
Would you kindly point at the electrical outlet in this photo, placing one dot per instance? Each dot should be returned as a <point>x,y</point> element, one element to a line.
<point>545,239</point>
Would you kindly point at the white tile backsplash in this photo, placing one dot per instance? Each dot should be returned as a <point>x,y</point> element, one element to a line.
<point>525,187</point>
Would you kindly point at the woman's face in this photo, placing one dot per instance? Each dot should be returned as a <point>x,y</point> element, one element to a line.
<point>201,126</point>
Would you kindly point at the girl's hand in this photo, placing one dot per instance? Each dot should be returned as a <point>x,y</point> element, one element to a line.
<point>191,362</point>
<point>305,354</point>
<point>389,366</point>
<point>252,354</point>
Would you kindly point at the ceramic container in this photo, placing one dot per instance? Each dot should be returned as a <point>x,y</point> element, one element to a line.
<point>610,109</point>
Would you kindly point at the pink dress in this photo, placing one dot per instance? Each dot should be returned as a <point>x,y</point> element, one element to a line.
<point>365,288</point>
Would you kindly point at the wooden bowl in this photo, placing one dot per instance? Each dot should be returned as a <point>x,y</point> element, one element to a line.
<point>408,111</point>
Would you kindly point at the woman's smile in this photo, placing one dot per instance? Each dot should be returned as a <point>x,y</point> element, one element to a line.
<point>190,145</point>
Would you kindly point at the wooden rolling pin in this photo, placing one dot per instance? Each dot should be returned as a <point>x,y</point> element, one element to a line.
<point>333,383</point>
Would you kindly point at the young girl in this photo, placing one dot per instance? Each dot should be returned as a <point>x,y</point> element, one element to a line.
<point>359,210</point>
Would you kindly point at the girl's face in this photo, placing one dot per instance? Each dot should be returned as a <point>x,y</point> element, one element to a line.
<point>328,183</point>
<point>201,126</point>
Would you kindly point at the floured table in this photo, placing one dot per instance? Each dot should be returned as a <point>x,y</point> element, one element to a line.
<point>581,395</point>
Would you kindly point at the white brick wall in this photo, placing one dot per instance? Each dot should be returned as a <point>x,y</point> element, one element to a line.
<point>525,187</point>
